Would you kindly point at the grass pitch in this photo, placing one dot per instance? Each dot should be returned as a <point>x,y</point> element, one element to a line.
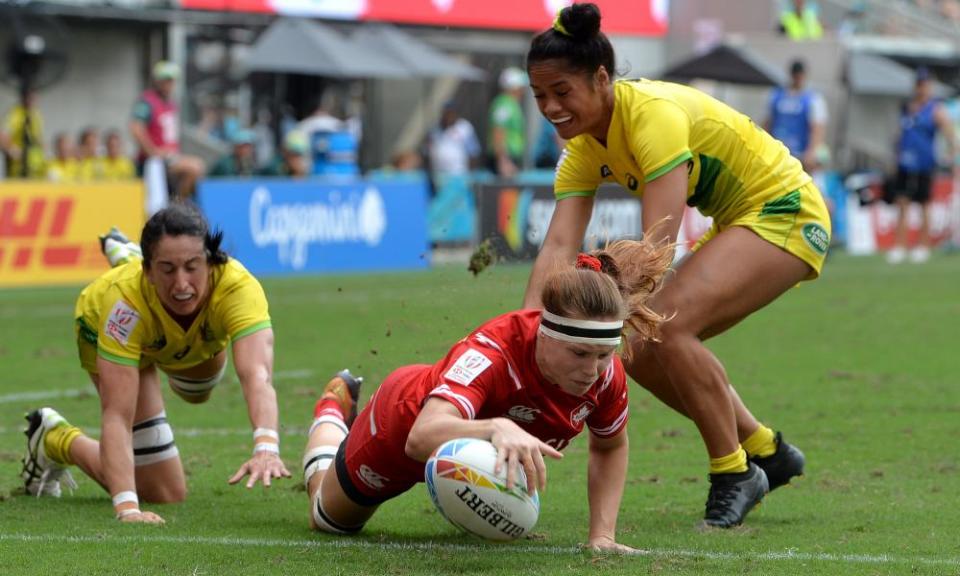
<point>859,369</point>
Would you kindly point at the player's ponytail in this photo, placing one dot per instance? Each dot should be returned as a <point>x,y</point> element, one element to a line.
<point>638,268</point>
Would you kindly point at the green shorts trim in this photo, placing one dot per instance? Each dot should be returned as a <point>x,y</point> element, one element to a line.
<point>135,362</point>
<point>797,222</point>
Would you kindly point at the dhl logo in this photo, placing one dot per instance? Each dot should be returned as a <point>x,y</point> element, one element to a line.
<point>33,232</point>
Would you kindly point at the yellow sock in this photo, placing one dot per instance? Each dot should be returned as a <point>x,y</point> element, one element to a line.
<point>761,443</point>
<point>57,442</point>
<point>729,464</point>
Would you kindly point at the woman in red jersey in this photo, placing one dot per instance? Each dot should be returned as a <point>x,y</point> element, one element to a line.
<point>527,381</point>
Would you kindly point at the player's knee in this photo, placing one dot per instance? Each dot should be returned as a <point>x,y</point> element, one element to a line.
<point>324,523</point>
<point>195,390</point>
<point>166,494</point>
<point>153,441</point>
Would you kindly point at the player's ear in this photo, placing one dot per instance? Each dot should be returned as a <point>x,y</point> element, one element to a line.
<point>601,77</point>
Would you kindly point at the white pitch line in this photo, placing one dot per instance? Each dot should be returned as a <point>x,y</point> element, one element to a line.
<point>290,431</point>
<point>343,543</point>
<point>75,392</point>
<point>46,395</point>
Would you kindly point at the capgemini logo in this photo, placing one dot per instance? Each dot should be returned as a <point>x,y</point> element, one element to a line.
<point>373,217</point>
<point>343,218</point>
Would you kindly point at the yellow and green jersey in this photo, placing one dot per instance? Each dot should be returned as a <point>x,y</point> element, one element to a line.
<point>119,168</point>
<point>121,313</point>
<point>734,166</point>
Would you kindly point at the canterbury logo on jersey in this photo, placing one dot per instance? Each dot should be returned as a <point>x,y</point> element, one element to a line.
<point>371,478</point>
<point>523,413</point>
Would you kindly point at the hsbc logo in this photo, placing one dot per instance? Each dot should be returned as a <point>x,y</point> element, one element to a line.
<point>523,414</point>
<point>581,412</point>
<point>372,479</point>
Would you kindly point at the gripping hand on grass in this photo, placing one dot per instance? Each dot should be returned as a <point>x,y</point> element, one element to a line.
<point>607,545</point>
<point>264,466</point>
<point>144,517</point>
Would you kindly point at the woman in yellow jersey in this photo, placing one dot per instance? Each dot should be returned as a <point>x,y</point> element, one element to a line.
<point>175,311</point>
<point>675,146</point>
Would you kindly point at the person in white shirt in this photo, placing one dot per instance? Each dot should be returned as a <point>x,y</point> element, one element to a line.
<point>454,147</point>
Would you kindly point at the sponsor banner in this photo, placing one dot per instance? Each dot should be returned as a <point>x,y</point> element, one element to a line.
<point>872,227</point>
<point>48,232</point>
<point>634,17</point>
<point>515,218</point>
<point>278,227</point>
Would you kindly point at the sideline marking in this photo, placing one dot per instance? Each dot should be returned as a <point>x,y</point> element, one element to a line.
<point>341,543</point>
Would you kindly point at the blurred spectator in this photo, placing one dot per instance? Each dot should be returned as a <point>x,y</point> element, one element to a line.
<point>546,150</point>
<point>333,145</point>
<point>799,21</point>
<point>155,129</point>
<point>797,116</point>
<point>952,107</point>
<point>63,167</point>
<point>240,162</point>
<point>854,21</point>
<point>263,138</point>
<point>406,161</point>
<point>294,159</point>
<point>506,140</point>
<point>116,164</point>
<point>920,119</point>
<point>23,138</point>
<point>452,145</point>
<point>89,163</point>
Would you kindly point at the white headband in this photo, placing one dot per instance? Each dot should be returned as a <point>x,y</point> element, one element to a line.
<point>581,331</point>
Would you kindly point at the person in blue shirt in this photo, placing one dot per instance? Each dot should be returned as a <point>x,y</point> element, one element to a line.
<point>334,147</point>
<point>798,118</point>
<point>920,120</point>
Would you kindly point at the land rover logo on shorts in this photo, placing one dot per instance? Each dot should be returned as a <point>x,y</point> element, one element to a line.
<point>816,237</point>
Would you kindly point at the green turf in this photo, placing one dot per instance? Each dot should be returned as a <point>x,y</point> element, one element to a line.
<point>858,368</point>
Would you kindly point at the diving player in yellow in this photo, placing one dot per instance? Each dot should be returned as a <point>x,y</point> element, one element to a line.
<point>176,309</point>
<point>675,146</point>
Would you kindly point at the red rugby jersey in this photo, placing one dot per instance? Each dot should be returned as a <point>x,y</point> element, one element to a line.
<point>493,373</point>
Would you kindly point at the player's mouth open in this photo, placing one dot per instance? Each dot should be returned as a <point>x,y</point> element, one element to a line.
<point>561,120</point>
<point>182,297</point>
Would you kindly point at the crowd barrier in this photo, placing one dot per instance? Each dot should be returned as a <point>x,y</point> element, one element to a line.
<point>514,215</point>
<point>872,227</point>
<point>283,227</point>
<point>48,232</point>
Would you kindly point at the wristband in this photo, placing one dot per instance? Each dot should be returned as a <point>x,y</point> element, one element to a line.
<point>128,512</point>
<point>268,432</point>
<point>267,447</point>
<point>124,497</point>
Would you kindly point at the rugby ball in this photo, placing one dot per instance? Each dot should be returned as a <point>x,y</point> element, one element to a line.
<point>467,492</point>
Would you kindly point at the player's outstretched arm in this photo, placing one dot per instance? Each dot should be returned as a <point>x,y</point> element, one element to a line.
<point>119,389</point>
<point>606,475</point>
<point>253,358</point>
<point>440,421</point>
<point>568,225</point>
